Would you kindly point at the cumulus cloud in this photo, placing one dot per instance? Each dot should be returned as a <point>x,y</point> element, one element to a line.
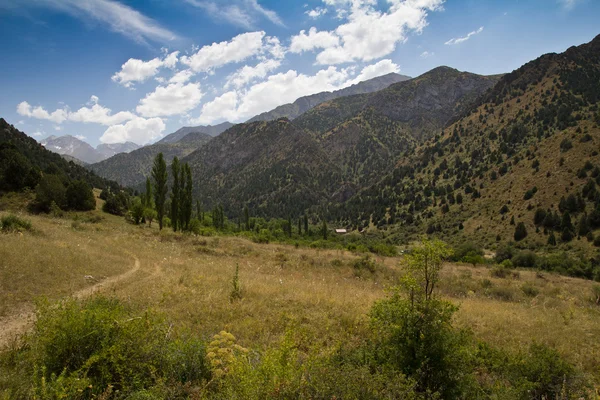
<point>95,114</point>
<point>80,137</point>
<point>138,130</point>
<point>313,40</point>
<point>135,70</point>
<point>459,40</point>
<point>368,33</point>
<point>181,76</point>
<point>242,13</point>
<point>247,74</point>
<point>216,55</point>
<point>276,90</point>
<point>317,12</point>
<point>383,67</point>
<point>173,99</point>
<point>427,54</point>
<point>99,115</point>
<point>116,16</point>
<point>58,116</point>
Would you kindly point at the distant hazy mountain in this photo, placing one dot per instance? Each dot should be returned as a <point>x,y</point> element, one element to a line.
<point>109,150</point>
<point>75,148</point>
<point>209,130</point>
<point>303,104</point>
<point>71,146</point>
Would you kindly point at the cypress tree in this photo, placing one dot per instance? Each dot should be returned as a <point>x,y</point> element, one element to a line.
<point>305,224</point>
<point>159,174</point>
<point>289,226</point>
<point>187,195</point>
<point>175,194</point>
<point>520,232</point>
<point>584,226</point>
<point>552,239</point>
<point>148,196</point>
<point>324,229</point>
<point>199,211</point>
<point>247,218</point>
<point>299,226</point>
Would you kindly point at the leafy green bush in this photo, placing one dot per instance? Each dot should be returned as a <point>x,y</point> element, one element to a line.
<point>365,263</point>
<point>500,272</point>
<point>12,223</point>
<point>529,289</point>
<point>79,350</point>
<point>80,197</point>
<point>525,259</point>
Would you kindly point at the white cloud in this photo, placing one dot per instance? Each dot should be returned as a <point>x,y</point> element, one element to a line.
<point>135,70</point>
<point>118,17</point>
<point>138,130</point>
<point>98,114</point>
<point>173,99</point>
<point>316,13</point>
<point>313,40</point>
<point>383,67</point>
<point>238,49</point>
<point>181,76</point>
<point>58,116</point>
<point>248,74</point>
<point>276,90</point>
<point>58,128</point>
<point>427,54</point>
<point>80,137</point>
<point>459,40</point>
<point>95,114</point>
<point>37,134</point>
<point>369,33</point>
<point>93,100</point>
<point>243,13</point>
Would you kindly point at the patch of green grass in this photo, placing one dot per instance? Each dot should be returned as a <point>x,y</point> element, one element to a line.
<point>12,223</point>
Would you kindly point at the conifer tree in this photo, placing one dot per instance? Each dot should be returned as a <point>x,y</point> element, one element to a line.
<point>148,196</point>
<point>187,201</point>
<point>305,224</point>
<point>247,218</point>
<point>175,194</point>
<point>289,224</point>
<point>324,230</point>
<point>159,175</point>
<point>300,226</point>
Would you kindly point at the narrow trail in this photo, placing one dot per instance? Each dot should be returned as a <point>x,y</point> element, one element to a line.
<point>12,326</point>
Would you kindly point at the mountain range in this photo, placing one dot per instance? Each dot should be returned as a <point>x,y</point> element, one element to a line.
<point>303,104</point>
<point>72,147</point>
<point>450,153</point>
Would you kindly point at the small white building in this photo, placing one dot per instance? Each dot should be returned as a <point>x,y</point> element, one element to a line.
<point>341,231</point>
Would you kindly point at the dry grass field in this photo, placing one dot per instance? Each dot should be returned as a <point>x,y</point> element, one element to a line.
<point>318,292</point>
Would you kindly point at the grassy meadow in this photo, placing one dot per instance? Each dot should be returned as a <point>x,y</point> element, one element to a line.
<point>323,295</point>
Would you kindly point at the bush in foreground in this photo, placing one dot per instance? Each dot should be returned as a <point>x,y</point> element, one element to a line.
<point>12,223</point>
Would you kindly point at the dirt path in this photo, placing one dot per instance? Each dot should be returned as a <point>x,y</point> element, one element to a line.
<point>12,326</point>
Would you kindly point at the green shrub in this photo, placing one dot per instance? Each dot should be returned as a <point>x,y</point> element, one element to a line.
<point>383,249</point>
<point>525,259</point>
<point>80,197</point>
<point>50,190</point>
<point>12,223</point>
<point>99,343</point>
<point>500,272</point>
<point>365,263</point>
<point>529,289</point>
<point>501,293</point>
<point>486,283</point>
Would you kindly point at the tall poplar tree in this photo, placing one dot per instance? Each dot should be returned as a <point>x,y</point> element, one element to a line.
<point>159,175</point>
<point>186,202</point>
<point>175,194</point>
<point>148,196</point>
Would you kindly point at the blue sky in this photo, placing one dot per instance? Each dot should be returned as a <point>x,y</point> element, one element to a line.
<point>111,71</point>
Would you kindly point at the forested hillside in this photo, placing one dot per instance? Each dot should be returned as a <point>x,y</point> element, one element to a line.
<point>23,161</point>
<point>522,164</point>
<point>131,169</point>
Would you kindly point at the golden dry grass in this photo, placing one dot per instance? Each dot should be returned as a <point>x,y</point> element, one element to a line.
<point>317,291</point>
